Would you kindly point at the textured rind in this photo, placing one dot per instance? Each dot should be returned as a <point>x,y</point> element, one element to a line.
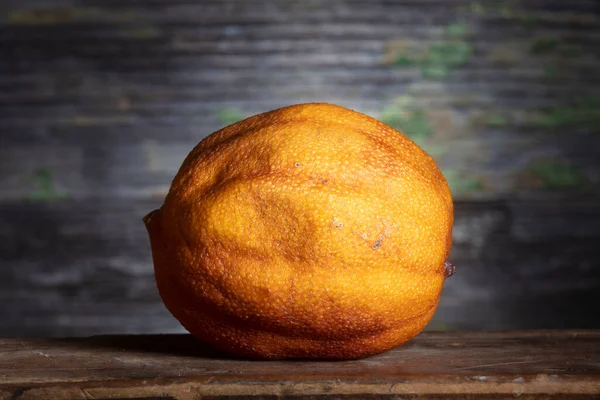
<point>310,231</point>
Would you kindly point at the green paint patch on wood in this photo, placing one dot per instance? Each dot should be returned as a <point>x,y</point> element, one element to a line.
<point>440,58</point>
<point>543,46</point>
<point>457,30</point>
<point>435,71</point>
<point>228,116</point>
<point>531,19</point>
<point>496,120</point>
<point>554,175</point>
<point>404,60</point>
<point>571,48</point>
<point>449,53</point>
<point>583,112</point>
<point>459,182</point>
<point>506,11</point>
<point>500,118</point>
<point>477,8</point>
<point>549,72</point>
<point>43,187</point>
<point>412,122</point>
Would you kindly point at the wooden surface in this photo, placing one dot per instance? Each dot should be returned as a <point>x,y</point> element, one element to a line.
<point>100,101</point>
<point>525,364</point>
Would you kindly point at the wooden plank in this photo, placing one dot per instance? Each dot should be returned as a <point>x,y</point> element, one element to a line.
<point>534,364</point>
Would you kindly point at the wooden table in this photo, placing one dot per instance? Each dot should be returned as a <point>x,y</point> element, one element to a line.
<point>530,364</point>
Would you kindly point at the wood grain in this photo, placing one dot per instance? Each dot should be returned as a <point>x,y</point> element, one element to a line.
<point>534,364</point>
<point>107,97</point>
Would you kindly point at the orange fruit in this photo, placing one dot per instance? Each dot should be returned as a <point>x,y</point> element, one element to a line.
<point>311,231</point>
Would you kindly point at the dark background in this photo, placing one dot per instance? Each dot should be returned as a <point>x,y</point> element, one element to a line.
<point>100,100</point>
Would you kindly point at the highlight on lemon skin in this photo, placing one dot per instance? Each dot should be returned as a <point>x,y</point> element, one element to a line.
<point>311,231</point>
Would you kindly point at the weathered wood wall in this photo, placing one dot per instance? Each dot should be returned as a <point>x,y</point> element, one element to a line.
<point>100,100</point>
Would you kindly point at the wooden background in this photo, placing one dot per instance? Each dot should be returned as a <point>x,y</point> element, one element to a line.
<point>100,100</point>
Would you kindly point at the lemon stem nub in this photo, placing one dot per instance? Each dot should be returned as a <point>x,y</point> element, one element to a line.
<point>448,269</point>
<point>148,217</point>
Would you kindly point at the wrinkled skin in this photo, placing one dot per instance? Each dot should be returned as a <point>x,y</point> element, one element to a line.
<point>310,231</point>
